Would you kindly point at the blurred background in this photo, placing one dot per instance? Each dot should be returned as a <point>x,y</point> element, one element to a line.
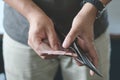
<point>114,28</point>
<point>2,76</point>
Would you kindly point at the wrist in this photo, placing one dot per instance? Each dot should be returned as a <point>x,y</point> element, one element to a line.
<point>34,16</point>
<point>33,12</point>
<point>88,11</point>
<point>98,4</point>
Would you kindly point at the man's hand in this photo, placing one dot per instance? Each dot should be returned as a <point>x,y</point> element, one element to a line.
<point>82,28</point>
<point>42,36</point>
<point>43,39</point>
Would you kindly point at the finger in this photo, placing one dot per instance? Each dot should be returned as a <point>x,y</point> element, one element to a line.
<point>44,50</point>
<point>50,52</point>
<point>93,56</point>
<point>46,54</point>
<point>34,42</point>
<point>71,55</point>
<point>81,43</point>
<point>58,53</point>
<point>69,38</point>
<point>53,39</point>
<point>43,47</point>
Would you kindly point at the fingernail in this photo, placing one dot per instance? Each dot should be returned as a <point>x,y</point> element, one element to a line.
<point>65,44</point>
<point>91,73</point>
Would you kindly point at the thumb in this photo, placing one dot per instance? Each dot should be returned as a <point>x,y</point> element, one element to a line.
<point>69,38</point>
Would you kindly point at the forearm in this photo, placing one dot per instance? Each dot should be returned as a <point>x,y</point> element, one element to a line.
<point>26,7</point>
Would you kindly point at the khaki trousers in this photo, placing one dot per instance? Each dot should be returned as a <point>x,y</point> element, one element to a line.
<point>22,63</point>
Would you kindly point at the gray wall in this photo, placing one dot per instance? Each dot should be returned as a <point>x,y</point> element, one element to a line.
<point>114,17</point>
